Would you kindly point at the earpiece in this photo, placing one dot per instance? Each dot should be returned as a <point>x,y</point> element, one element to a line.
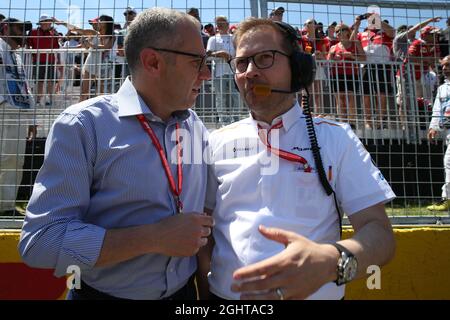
<point>303,66</point>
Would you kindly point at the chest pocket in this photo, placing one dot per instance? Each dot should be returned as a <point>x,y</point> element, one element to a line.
<point>294,194</point>
<point>311,199</point>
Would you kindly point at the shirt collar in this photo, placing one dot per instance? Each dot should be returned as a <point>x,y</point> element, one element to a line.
<point>130,103</point>
<point>289,118</point>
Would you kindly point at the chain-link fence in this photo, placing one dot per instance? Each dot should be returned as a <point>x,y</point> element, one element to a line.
<point>386,98</point>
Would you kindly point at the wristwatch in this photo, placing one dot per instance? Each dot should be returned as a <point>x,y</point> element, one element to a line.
<point>347,265</point>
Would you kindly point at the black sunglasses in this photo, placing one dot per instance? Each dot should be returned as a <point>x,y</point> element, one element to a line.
<point>202,57</point>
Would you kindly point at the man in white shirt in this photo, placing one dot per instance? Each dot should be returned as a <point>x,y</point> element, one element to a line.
<point>440,122</point>
<point>277,232</point>
<point>16,112</point>
<point>220,47</point>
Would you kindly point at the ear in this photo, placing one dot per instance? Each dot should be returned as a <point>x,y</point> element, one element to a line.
<point>151,61</point>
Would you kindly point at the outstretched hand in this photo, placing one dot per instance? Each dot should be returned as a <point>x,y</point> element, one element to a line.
<point>295,273</point>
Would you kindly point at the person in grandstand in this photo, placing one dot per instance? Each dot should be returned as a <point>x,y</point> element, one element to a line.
<point>276,189</point>
<point>314,44</point>
<point>277,14</point>
<point>423,55</point>
<point>331,39</point>
<point>440,123</point>
<point>121,66</point>
<point>377,71</point>
<point>44,38</point>
<point>101,42</point>
<point>405,36</point>
<point>345,72</point>
<point>221,49</point>
<point>17,108</point>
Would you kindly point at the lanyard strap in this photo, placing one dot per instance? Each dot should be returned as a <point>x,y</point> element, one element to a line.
<point>289,156</point>
<point>176,191</point>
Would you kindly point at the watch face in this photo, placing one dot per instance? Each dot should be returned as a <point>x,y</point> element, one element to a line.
<point>350,269</point>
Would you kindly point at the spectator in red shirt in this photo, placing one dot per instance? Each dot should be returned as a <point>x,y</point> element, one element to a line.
<point>331,39</point>
<point>45,38</point>
<point>403,39</point>
<point>423,54</point>
<point>313,44</point>
<point>345,76</point>
<point>377,80</point>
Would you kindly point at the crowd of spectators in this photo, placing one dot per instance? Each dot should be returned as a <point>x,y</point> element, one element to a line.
<point>343,71</point>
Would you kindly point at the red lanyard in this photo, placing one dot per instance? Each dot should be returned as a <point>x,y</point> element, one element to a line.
<point>289,156</point>
<point>175,191</point>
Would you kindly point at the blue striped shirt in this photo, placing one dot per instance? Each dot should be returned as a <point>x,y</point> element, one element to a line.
<point>101,171</point>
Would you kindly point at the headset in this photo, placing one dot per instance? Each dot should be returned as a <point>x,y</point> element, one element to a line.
<point>303,69</point>
<point>303,66</point>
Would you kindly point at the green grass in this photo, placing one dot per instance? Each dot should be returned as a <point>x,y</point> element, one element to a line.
<point>414,210</point>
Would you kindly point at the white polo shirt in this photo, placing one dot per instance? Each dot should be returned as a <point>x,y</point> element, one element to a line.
<point>221,42</point>
<point>244,192</point>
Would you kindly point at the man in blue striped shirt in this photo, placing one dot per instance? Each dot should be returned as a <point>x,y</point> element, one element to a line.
<point>106,197</point>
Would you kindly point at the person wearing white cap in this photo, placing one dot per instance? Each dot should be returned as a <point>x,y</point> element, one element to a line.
<point>129,13</point>
<point>122,70</point>
<point>44,38</point>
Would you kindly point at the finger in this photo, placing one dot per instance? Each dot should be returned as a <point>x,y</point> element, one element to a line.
<point>278,235</point>
<point>207,221</point>
<point>266,295</point>
<point>202,242</point>
<point>265,268</point>
<point>261,284</point>
<point>205,232</point>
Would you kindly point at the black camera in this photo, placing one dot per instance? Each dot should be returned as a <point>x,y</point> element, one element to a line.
<point>364,16</point>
